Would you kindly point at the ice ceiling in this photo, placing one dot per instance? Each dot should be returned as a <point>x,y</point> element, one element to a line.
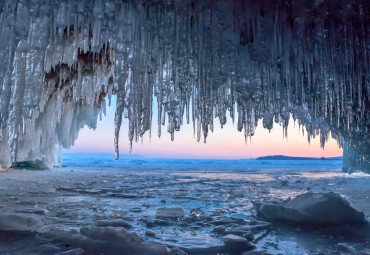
<point>202,60</point>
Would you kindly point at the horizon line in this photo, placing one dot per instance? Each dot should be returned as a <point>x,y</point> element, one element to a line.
<point>186,157</point>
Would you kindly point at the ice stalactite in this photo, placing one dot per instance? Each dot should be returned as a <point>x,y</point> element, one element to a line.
<point>52,83</point>
<point>201,60</point>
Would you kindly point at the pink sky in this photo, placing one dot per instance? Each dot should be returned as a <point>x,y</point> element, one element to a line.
<point>226,143</point>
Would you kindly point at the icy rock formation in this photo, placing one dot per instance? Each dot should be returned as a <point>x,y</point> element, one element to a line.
<point>117,240</point>
<point>201,59</point>
<point>312,209</point>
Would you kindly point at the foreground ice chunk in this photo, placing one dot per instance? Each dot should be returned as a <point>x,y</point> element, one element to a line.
<point>21,222</point>
<point>236,241</point>
<point>313,208</point>
<point>120,241</point>
<point>113,234</point>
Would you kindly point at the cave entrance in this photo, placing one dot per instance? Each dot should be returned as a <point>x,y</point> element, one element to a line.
<point>223,143</point>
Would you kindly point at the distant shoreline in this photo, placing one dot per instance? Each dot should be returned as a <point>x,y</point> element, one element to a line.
<point>282,157</point>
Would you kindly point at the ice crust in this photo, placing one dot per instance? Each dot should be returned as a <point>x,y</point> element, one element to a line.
<point>201,60</point>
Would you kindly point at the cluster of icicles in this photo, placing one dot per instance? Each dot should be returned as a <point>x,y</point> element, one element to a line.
<point>202,60</point>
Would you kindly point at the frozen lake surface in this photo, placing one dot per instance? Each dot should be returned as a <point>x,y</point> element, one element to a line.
<point>94,190</point>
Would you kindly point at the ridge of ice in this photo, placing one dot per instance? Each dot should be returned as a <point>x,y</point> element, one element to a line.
<point>201,60</point>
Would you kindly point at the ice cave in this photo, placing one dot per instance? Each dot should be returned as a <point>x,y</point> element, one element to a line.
<point>175,62</point>
<point>61,62</point>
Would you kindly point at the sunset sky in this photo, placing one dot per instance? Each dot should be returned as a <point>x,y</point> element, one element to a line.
<point>226,143</point>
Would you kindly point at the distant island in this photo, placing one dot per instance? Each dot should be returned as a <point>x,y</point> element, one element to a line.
<point>282,157</point>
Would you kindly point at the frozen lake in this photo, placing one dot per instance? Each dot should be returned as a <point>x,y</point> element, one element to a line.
<point>101,161</point>
<point>94,190</point>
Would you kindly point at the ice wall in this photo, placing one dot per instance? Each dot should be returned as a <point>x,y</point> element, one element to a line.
<point>201,60</point>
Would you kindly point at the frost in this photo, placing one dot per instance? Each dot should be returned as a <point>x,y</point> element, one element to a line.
<point>202,60</point>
